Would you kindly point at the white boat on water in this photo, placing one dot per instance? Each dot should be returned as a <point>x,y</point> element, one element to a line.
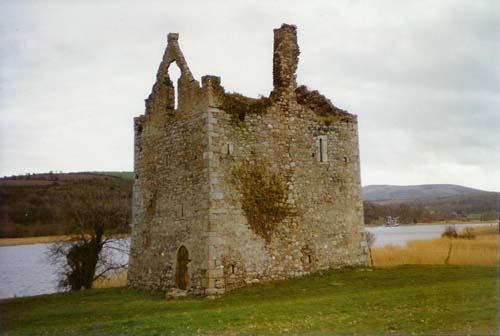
<point>392,221</point>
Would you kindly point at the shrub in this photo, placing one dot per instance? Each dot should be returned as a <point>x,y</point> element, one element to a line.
<point>450,232</point>
<point>467,233</point>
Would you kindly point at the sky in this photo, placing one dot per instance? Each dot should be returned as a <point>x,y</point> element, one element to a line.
<point>422,76</point>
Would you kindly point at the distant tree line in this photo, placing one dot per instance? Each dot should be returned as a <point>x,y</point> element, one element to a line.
<point>38,207</point>
<point>454,208</point>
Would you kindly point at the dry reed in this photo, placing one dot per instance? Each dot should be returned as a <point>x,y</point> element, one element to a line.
<point>482,250</point>
<point>113,280</point>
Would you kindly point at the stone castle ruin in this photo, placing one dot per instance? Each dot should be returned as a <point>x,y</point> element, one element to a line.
<point>231,190</point>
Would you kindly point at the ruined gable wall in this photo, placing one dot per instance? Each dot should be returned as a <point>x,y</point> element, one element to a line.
<point>170,206</point>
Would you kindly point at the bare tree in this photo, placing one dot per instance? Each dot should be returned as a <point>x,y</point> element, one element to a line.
<point>99,210</point>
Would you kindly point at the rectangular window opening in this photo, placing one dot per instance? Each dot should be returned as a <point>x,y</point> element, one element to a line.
<point>321,150</point>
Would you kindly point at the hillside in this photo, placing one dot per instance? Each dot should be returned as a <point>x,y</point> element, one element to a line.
<point>34,205</point>
<point>393,193</point>
<point>428,203</point>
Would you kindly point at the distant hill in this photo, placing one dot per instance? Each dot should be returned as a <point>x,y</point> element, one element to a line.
<point>127,175</point>
<point>392,193</point>
<point>428,203</point>
<point>33,205</point>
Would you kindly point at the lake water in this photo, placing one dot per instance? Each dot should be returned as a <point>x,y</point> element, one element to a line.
<point>399,235</point>
<point>25,270</point>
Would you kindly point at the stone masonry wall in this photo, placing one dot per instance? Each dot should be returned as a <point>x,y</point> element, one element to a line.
<point>189,164</point>
<point>170,203</point>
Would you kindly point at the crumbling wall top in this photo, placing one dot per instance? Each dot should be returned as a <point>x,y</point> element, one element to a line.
<point>173,53</point>
<point>285,59</point>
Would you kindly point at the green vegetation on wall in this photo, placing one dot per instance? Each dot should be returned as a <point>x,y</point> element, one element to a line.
<point>263,197</point>
<point>239,106</point>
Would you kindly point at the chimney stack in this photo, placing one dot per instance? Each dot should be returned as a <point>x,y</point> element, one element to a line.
<point>285,59</point>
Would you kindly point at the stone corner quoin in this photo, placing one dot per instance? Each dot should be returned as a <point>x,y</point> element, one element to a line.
<point>231,190</point>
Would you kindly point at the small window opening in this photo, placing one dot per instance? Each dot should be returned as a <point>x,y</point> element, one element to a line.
<point>321,150</point>
<point>346,159</point>
<point>309,258</point>
<point>175,73</point>
<point>136,176</point>
<point>228,149</point>
<point>233,269</point>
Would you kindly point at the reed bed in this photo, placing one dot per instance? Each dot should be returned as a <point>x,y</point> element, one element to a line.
<point>113,280</point>
<point>481,250</point>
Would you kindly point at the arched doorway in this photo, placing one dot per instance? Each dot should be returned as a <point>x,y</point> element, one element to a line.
<point>182,277</point>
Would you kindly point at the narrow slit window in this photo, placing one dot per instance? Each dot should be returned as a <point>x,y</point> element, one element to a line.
<point>322,148</point>
<point>320,151</point>
<point>228,149</point>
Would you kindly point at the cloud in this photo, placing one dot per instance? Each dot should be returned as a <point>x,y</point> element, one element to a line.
<point>422,77</point>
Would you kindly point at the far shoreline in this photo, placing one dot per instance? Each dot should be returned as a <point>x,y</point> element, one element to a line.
<point>62,238</point>
<point>44,240</point>
<point>439,223</point>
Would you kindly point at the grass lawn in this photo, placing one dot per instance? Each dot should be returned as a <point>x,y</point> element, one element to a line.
<point>397,300</point>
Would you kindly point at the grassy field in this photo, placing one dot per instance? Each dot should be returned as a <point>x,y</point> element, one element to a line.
<point>127,175</point>
<point>482,250</point>
<point>396,300</point>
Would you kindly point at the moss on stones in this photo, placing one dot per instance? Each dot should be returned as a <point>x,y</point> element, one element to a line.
<point>323,108</point>
<point>239,106</point>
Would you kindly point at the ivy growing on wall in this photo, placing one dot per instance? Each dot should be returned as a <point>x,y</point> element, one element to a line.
<point>263,197</point>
